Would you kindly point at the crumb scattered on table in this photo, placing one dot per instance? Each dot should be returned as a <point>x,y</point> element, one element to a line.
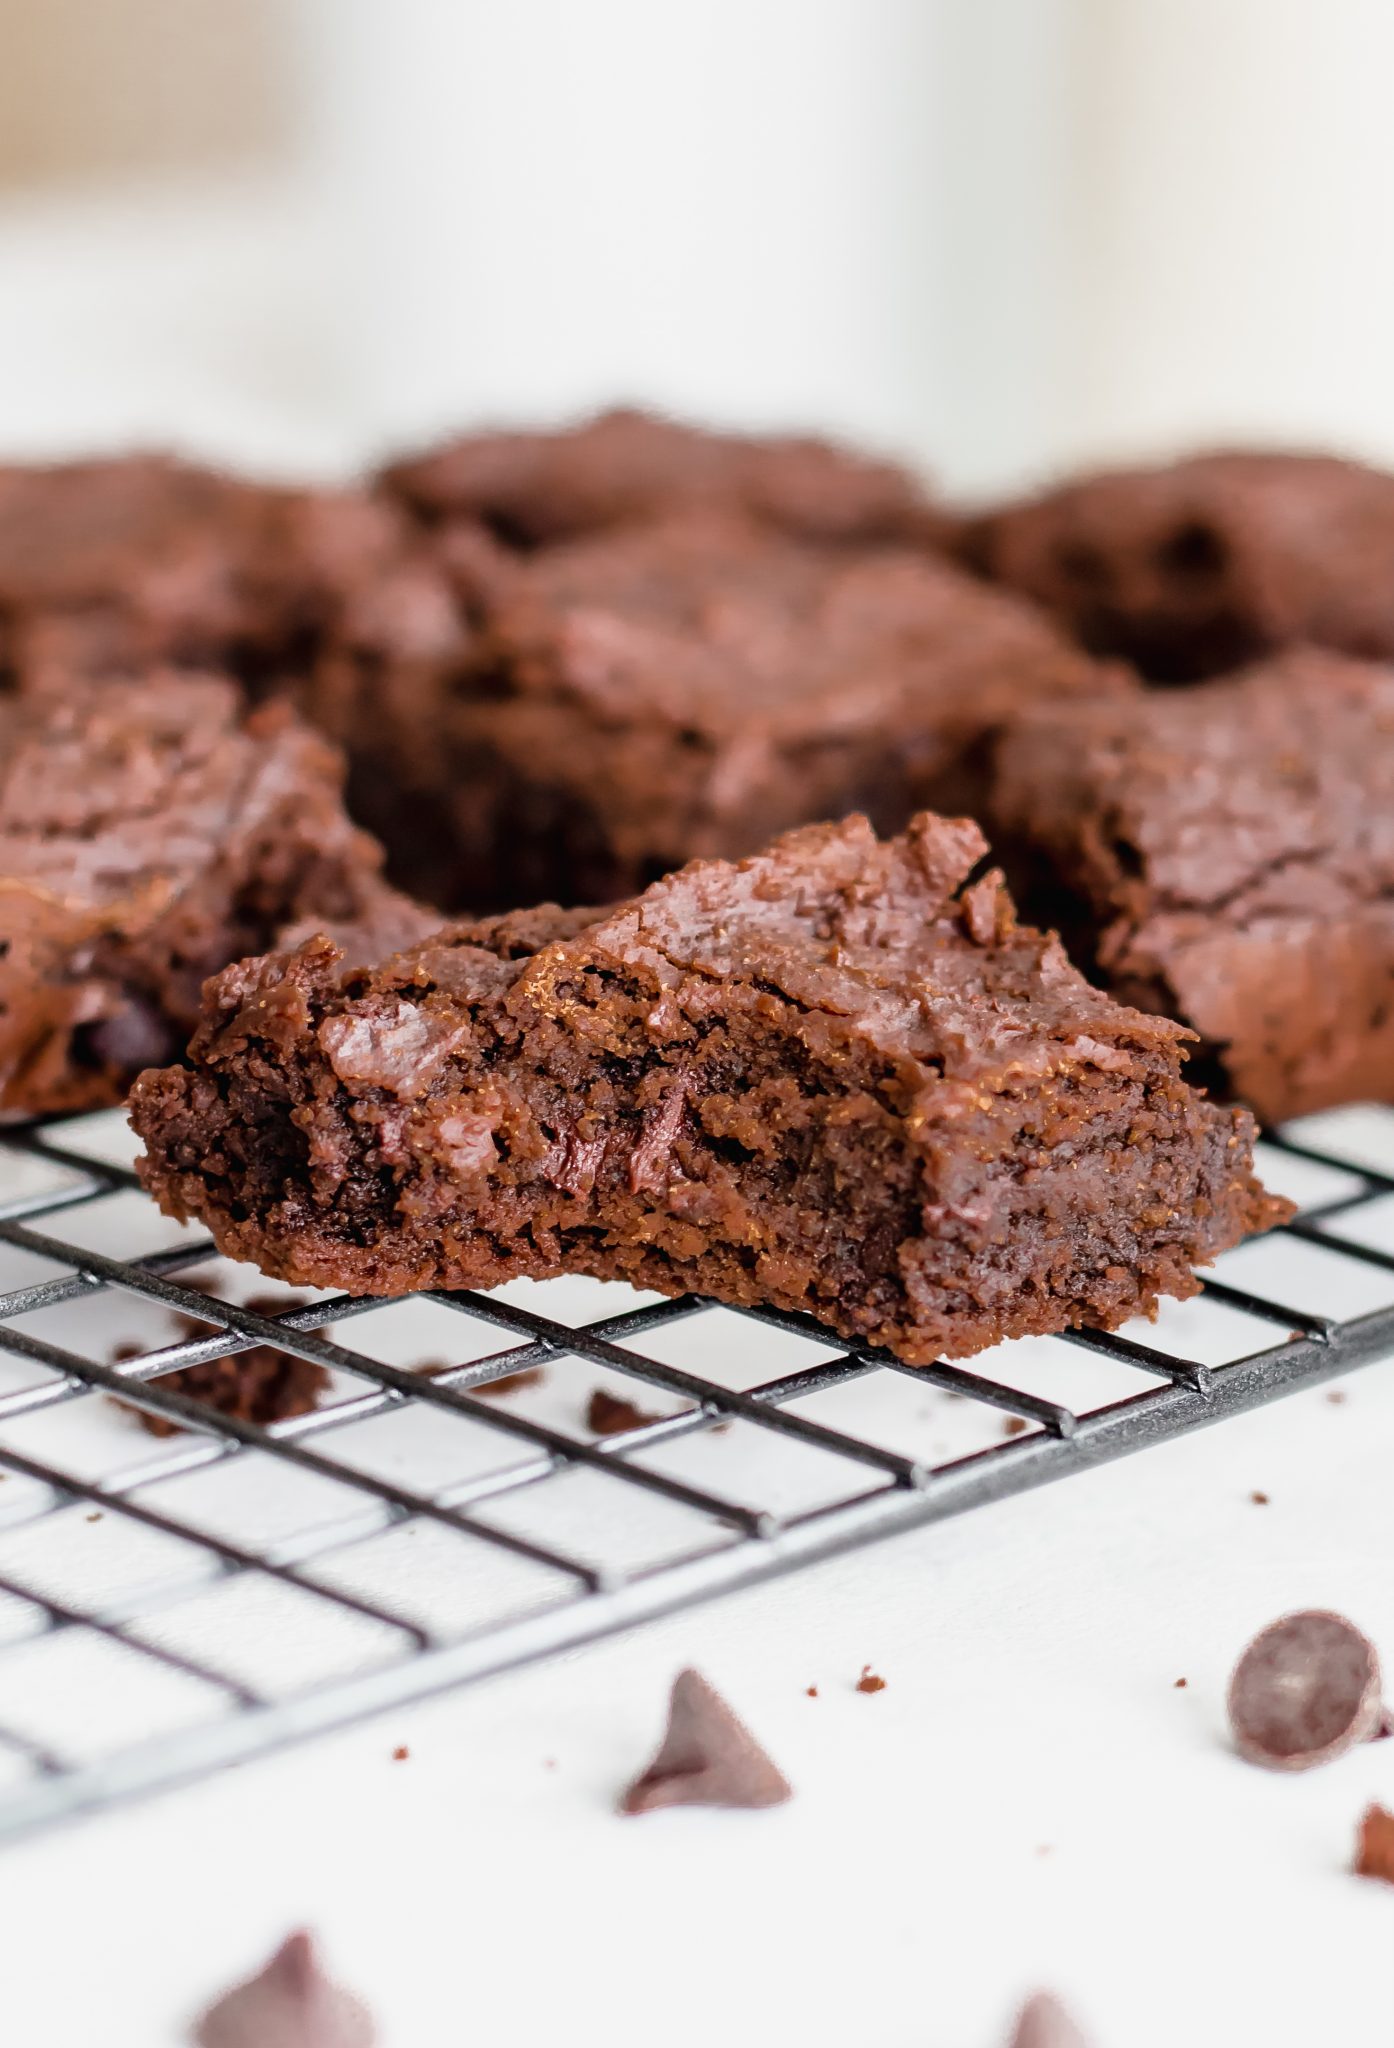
<point>1260,1500</point>
<point>1015,1425</point>
<point>400,1753</point>
<point>610,1414</point>
<point>869,1682</point>
<point>1374,1849</point>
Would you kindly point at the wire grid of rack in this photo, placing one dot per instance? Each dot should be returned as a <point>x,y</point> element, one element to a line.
<point>731,1535</point>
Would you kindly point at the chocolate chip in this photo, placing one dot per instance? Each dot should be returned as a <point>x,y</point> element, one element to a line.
<point>1044,2023</point>
<point>707,1757</point>
<point>1374,1851</point>
<point>1305,1690</point>
<point>290,2002</point>
<point>610,1414</point>
<point>869,1682</point>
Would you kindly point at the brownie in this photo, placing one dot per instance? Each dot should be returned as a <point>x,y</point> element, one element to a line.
<point>152,831</point>
<point>836,1077</point>
<point>1202,565</point>
<point>685,689</point>
<point>531,489</point>
<point>1226,855</point>
<point>115,564</point>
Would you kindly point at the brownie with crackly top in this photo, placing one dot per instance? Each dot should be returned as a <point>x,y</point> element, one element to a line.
<point>108,566</point>
<point>152,831</point>
<point>1226,856</point>
<point>1190,568</point>
<point>688,689</point>
<point>531,489</point>
<point>836,1077</point>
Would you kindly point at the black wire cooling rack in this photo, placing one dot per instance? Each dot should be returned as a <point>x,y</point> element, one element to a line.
<point>667,1512</point>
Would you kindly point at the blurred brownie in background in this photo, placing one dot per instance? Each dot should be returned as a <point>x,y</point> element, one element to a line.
<point>1198,566</point>
<point>151,832</point>
<point>110,565</point>
<point>626,702</point>
<point>533,488</point>
<point>1225,855</point>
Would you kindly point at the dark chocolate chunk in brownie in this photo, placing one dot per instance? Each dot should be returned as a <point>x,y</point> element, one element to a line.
<point>836,1077</point>
<point>686,689</point>
<point>1226,855</point>
<point>151,832</point>
<point>1198,566</point>
<point>531,489</point>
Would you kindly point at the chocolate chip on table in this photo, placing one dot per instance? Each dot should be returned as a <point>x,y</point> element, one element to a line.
<point>1306,1689</point>
<point>291,2000</point>
<point>707,1758</point>
<point>1374,1849</point>
<point>869,1682</point>
<point>1044,2023</point>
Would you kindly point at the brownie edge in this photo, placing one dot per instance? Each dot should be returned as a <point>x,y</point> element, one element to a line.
<point>836,1077</point>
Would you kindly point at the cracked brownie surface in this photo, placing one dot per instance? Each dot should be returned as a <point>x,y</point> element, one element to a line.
<point>109,566</point>
<point>1194,567</point>
<point>150,832</point>
<point>1227,856</point>
<point>534,488</point>
<point>836,1077</point>
<point>689,689</point>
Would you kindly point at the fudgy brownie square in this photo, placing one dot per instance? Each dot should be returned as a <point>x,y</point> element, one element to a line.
<point>631,701</point>
<point>112,565</point>
<point>1226,855</point>
<point>533,488</point>
<point>836,1077</point>
<point>1194,567</point>
<point>150,832</point>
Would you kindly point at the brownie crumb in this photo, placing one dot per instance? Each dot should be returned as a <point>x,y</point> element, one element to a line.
<point>869,1682</point>
<point>611,1414</point>
<point>1180,1684</point>
<point>707,1758</point>
<point>400,1753</point>
<point>1336,1397</point>
<point>1015,1425</point>
<point>1305,1690</point>
<point>1260,1500</point>
<point>512,1382</point>
<point>95,1516</point>
<point>259,1385</point>
<point>1374,1852</point>
<point>812,1691</point>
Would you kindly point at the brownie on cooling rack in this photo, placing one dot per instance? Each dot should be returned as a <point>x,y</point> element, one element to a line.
<point>836,1077</point>
<point>152,831</point>
<point>1226,855</point>
<point>1198,566</point>
<point>115,564</point>
<point>531,489</point>
<point>683,689</point>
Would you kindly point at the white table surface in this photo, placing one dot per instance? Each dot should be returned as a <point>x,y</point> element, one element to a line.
<point>1031,1801</point>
